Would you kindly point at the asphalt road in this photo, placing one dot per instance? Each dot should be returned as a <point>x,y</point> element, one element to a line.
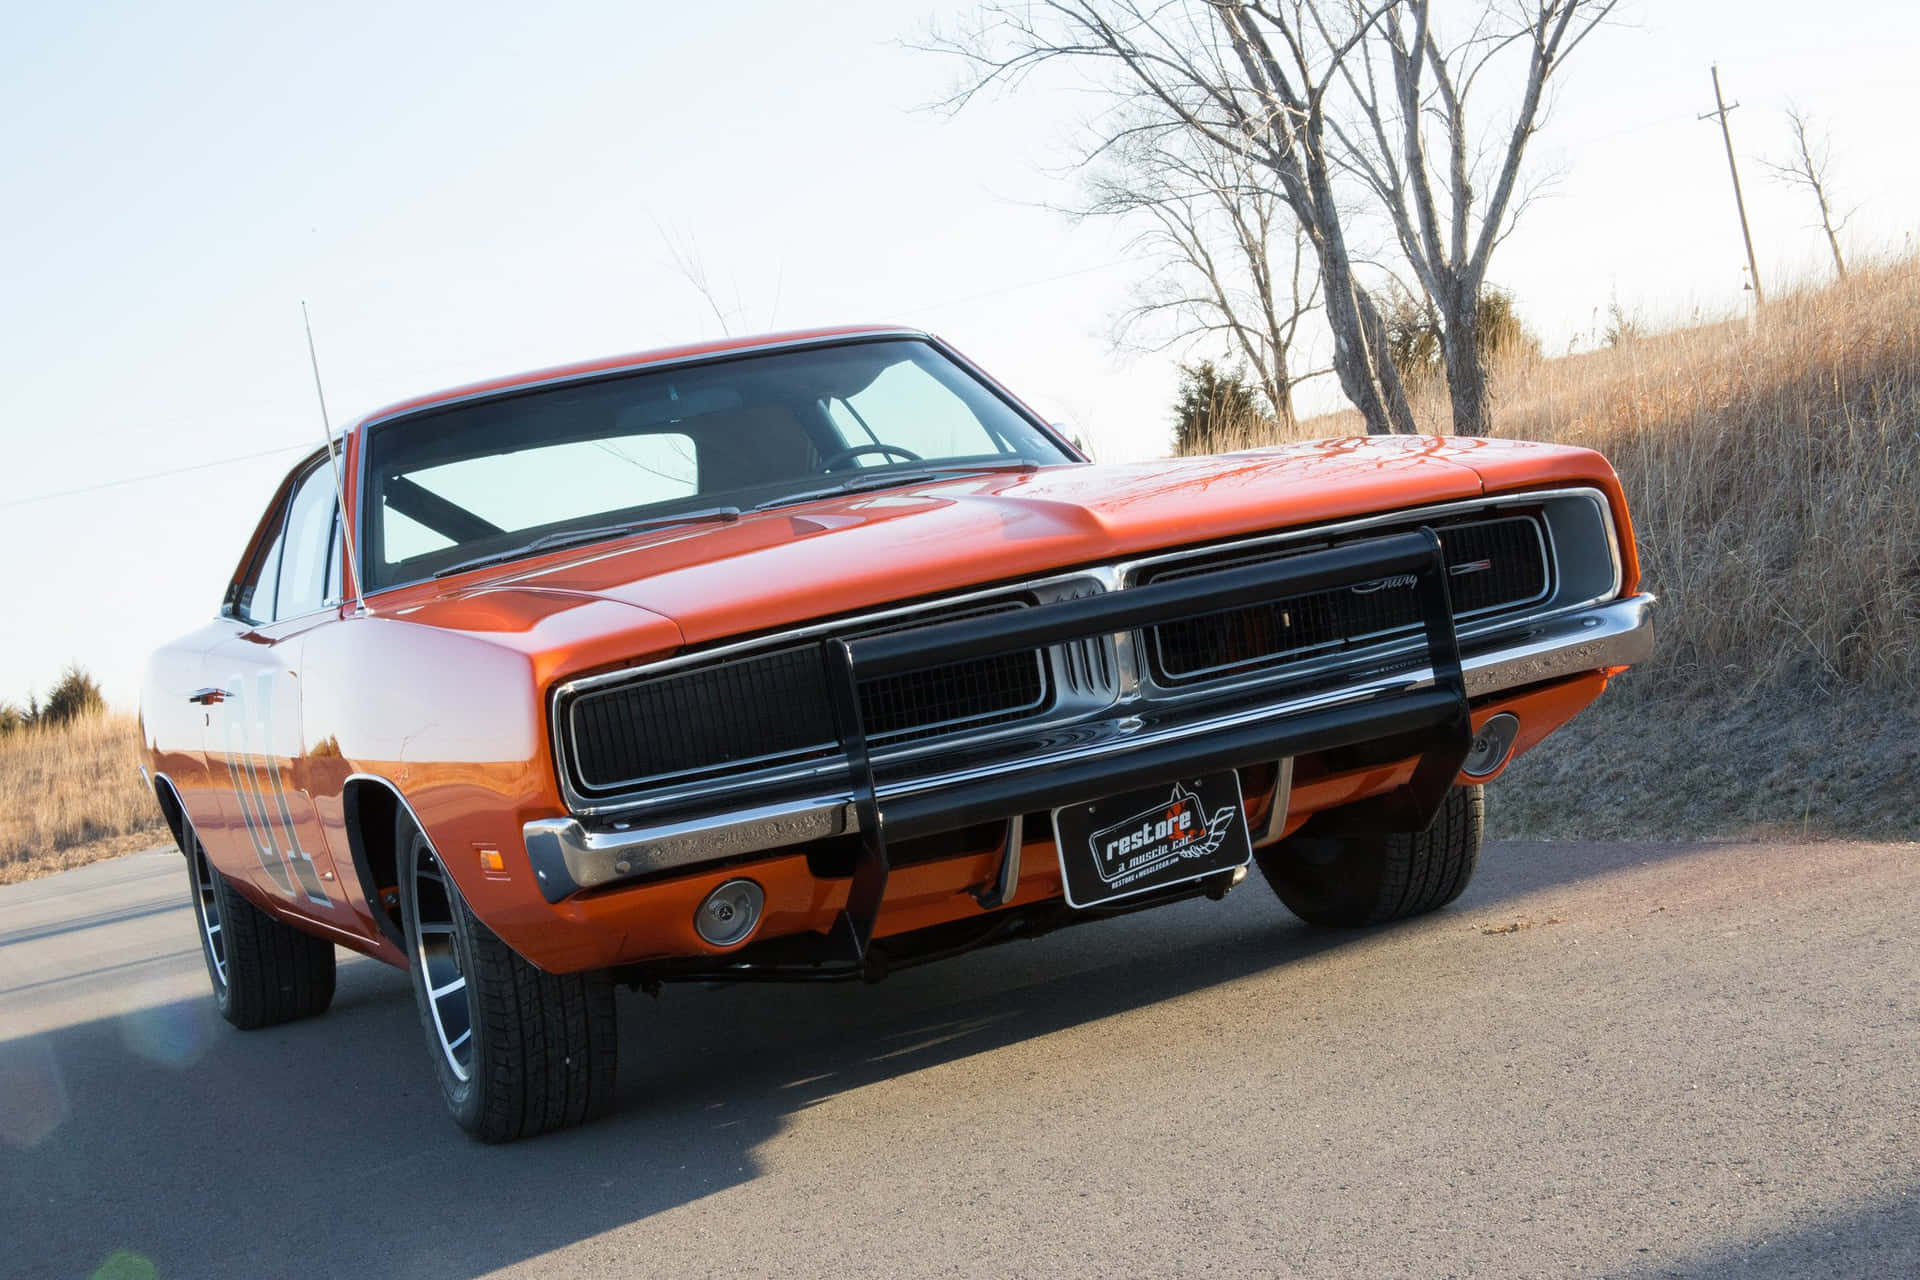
<point>1696,1060</point>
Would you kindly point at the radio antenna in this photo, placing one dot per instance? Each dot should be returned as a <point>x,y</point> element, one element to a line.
<point>339,488</point>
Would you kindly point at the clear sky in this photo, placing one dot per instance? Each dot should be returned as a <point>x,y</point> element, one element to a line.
<point>470,189</point>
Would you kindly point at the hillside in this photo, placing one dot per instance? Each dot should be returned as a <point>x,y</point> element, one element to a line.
<point>1774,473</point>
<point>72,793</point>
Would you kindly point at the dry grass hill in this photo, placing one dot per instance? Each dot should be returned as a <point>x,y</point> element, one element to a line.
<point>1774,472</point>
<point>71,793</point>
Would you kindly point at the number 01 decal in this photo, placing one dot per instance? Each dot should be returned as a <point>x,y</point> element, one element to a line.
<point>248,723</point>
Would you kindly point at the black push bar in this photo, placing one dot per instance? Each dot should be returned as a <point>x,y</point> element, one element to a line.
<point>1437,717</point>
<point>897,652</point>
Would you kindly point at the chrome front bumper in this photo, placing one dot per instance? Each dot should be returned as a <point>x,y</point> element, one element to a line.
<point>568,856</point>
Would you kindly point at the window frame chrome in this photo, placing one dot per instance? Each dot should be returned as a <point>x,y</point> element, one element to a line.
<point>360,430</point>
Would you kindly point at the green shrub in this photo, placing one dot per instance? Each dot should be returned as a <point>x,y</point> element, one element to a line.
<point>75,694</point>
<point>1216,409</point>
<point>1413,336</point>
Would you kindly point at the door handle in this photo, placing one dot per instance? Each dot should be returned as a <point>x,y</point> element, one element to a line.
<point>207,697</point>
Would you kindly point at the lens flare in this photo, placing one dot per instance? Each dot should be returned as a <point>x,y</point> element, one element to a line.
<point>175,1034</point>
<point>33,1095</point>
<point>124,1264</point>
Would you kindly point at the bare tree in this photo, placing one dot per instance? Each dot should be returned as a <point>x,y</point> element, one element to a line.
<point>1810,166</point>
<point>693,269</point>
<point>1412,97</point>
<point>1323,96</point>
<point>1249,78</point>
<point>1230,262</point>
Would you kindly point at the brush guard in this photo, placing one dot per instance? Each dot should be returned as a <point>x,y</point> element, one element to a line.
<point>1435,715</point>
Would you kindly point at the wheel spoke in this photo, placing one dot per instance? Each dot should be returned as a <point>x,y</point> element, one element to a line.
<point>437,956</point>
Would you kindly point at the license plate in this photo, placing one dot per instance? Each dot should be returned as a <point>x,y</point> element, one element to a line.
<point>1151,839</point>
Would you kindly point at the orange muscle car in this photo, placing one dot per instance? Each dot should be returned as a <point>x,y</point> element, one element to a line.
<point>818,655</point>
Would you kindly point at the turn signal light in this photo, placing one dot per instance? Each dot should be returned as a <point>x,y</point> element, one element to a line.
<point>730,913</point>
<point>1491,746</point>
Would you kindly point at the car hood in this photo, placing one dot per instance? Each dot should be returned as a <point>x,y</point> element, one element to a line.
<point>844,554</point>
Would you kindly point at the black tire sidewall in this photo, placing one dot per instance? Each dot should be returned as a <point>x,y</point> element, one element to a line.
<point>463,1097</point>
<point>1327,881</point>
<point>1352,879</point>
<point>196,858</point>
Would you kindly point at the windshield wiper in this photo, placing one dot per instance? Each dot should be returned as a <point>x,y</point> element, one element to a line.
<point>892,479</point>
<point>576,537</point>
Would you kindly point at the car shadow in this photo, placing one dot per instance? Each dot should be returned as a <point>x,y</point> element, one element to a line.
<point>1881,1238</point>
<point>118,915</point>
<point>164,1134</point>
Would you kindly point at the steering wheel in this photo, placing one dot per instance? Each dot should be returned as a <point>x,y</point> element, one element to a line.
<point>861,450</point>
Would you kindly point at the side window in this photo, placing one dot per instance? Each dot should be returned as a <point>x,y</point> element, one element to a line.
<point>253,602</point>
<point>334,560</point>
<point>309,537</point>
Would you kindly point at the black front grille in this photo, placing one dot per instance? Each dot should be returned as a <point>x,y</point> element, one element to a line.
<point>979,691</point>
<point>1495,564</point>
<point>773,707</point>
<point>1492,565</point>
<point>769,705</point>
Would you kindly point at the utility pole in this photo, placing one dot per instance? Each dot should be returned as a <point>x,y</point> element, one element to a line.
<point>1720,109</point>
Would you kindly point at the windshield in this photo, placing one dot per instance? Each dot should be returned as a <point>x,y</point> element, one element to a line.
<point>490,480</point>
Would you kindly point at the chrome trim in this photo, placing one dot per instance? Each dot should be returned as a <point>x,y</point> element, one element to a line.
<point>645,365</point>
<point>370,894</point>
<point>156,778</point>
<point>1129,569</point>
<point>1486,625</point>
<point>1302,659</point>
<point>719,653</point>
<point>567,856</point>
<point>559,727</point>
<point>1006,881</point>
<point>1615,635</point>
<point>826,746</point>
<point>1277,812</point>
<point>1134,681</point>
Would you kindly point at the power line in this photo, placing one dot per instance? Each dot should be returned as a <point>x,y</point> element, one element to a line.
<point>994,293</point>
<point>151,475</point>
<point>268,453</point>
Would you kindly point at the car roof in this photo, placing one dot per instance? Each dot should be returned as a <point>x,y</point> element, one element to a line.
<point>634,360</point>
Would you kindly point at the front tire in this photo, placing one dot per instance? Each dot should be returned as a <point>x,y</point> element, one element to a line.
<point>517,1051</point>
<point>1346,881</point>
<point>264,972</point>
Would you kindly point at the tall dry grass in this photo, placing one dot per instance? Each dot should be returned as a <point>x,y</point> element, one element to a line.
<point>70,792</point>
<point>1773,469</point>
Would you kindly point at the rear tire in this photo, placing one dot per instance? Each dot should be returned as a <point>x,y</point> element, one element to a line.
<point>518,1051</point>
<point>264,972</point>
<point>1346,881</point>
